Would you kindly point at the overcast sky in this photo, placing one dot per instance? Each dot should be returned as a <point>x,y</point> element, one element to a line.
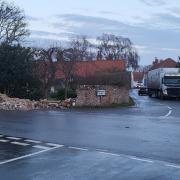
<point>152,25</point>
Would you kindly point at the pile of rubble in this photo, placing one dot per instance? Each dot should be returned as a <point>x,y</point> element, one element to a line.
<point>7,103</point>
<point>47,104</point>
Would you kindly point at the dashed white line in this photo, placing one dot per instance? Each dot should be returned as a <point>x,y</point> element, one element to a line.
<point>42,147</point>
<point>172,165</point>
<point>4,140</point>
<point>140,159</point>
<point>13,138</point>
<point>32,141</point>
<point>54,145</point>
<point>19,143</point>
<point>102,150</point>
<point>78,148</point>
<point>28,155</point>
<point>112,154</point>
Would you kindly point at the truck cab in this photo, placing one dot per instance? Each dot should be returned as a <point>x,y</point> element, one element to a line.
<point>171,85</point>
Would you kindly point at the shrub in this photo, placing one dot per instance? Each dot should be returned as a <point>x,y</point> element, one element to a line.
<point>61,94</point>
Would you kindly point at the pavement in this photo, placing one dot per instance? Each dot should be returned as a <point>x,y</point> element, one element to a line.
<point>141,142</point>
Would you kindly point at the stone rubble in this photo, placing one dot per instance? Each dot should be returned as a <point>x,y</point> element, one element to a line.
<point>7,103</point>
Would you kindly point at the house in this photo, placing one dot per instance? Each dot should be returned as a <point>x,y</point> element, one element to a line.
<point>90,68</point>
<point>99,83</point>
<point>167,63</point>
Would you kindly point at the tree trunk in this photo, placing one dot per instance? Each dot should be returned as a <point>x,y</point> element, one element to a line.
<point>66,89</point>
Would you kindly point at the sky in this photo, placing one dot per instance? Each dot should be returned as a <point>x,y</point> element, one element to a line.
<point>152,25</point>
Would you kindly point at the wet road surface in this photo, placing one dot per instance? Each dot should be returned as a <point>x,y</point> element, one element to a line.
<point>141,142</point>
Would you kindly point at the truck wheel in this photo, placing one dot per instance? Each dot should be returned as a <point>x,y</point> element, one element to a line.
<point>161,96</point>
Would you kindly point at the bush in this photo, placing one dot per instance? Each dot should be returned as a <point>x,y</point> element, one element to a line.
<point>61,94</point>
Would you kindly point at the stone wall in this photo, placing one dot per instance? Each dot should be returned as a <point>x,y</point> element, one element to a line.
<point>87,95</point>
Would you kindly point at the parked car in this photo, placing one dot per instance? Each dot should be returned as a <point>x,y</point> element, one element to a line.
<point>139,85</point>
<point>143,91</point>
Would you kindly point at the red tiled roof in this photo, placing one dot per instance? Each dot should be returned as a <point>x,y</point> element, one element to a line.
<point>167,63</point>
<point>89,68</point>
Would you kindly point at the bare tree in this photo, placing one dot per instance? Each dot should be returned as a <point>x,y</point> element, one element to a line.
<point>67,60</point>
<point>12,24</point>
<point>111,47</point>
<point>46,67</point>
<point>82,48</point>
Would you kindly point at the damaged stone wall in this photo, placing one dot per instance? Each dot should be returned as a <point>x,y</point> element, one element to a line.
<point>87,95</point>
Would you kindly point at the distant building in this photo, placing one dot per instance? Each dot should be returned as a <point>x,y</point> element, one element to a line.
<point>137,79</point>
<point>167,63</point>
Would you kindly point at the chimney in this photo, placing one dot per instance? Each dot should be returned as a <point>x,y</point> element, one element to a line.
<point>156,61</point>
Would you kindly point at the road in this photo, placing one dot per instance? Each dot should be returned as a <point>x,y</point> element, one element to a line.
<point>141,142</point>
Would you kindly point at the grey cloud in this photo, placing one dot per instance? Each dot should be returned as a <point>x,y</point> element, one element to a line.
<point>153,39</point>
<point>45,43</point>
<point>171,19</point>
<point>175,10</point>
<point>46,33</point>
<point>89,25</point>
<point>94,26</point>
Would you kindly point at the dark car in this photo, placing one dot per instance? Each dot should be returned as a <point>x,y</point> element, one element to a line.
<point>142,91</point>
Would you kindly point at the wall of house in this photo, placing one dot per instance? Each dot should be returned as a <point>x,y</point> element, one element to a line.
<point>87,95</point>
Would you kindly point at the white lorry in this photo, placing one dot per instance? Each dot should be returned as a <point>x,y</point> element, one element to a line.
<point>164,82</point>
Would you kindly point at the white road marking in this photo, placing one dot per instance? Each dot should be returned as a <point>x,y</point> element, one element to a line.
<point>55,145</point>
<point>169,108</point>
<point>13,138</point>
<point>112,154</point>
<point>28,155</point>
<point>102,150</point>
<point>171,165</point>
<point>41,147</point>
<point>32,141</point>
<point>130,157</point>
<point>4,140</point>
<point>77,148</point>
<point>169,113</point>
<point>141,159</point>
<point>19,143</point>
